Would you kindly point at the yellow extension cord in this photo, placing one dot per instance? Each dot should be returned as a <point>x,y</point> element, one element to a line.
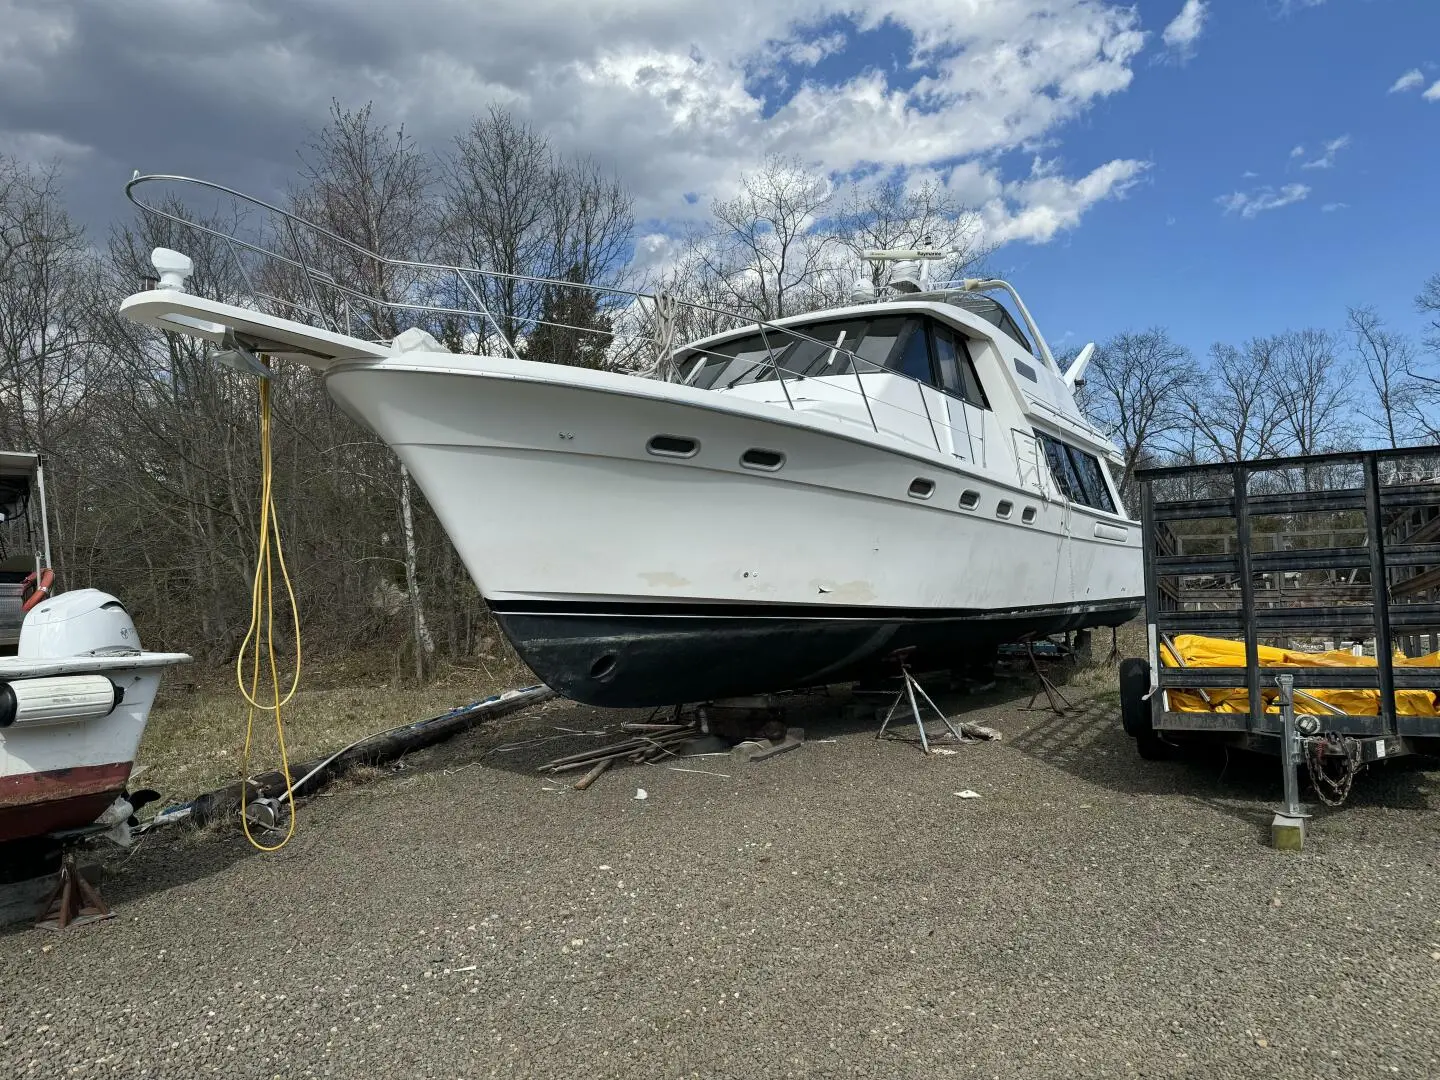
<point>261,633</point>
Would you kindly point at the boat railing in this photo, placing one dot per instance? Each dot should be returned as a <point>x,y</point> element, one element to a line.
<point>280,263</point>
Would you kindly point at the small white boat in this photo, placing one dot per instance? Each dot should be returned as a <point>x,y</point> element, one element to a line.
<point>75,686</point>
<point>781,505</point>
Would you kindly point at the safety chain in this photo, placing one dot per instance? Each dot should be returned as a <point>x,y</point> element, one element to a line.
<point>1333,790</point>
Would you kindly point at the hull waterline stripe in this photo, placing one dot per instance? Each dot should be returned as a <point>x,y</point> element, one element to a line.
<point>824,612</point>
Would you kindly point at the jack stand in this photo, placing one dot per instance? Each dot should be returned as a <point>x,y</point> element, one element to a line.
<point>1048,688</point>
<point>1287,831</point>
<point>75,902</point>
<point>911,687</point>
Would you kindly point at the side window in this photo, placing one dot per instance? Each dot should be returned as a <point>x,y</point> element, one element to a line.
<point>913,355</point>
<point>947,362</point>
<point>974,392</point>
<point>957,370</point>
<point>1061,468</point>
<point>877,344</point>
<point>1092,479</point>
<point>1077,473</point>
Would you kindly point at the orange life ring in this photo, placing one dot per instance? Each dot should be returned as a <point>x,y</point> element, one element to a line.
<point>36,590</point>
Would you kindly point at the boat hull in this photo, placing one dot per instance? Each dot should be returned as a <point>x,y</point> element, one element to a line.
<point>36,804</point>
<point>624,577</point>
<point>619,658</point>
<point>61,776</point>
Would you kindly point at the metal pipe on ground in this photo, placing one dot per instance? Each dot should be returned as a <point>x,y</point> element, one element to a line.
<point>375,749</point>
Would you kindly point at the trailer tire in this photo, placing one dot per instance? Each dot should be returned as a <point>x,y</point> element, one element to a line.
<point>1135,715</point>
<point>1134,709</point>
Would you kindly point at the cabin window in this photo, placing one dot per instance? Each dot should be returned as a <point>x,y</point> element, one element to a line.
<point>955,368</point>
<point>1061,470</point>
<point>1028,515</point>
<point>1092,479</point>
<point>920,488</point>
<point>919,348</point>
<point>1004,508</point>
<point>969,500</point>
<point>913,356</point>
<point>1078,473</point>
<point>825,350</point>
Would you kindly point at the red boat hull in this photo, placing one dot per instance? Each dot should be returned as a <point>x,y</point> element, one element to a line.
<point>35,804</point>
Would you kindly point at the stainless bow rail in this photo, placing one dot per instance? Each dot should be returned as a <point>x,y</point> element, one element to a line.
<point>292,268</point>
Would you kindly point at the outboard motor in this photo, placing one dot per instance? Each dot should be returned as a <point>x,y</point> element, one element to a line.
<point>86,622</point>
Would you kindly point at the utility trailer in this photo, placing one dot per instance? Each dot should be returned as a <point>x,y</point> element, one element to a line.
<point>1324,554</point>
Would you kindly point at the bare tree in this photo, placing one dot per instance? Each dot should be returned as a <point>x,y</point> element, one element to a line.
<point>49,281</point>
<point>892,215</point>
<point>1136,388</point>
<point>1428,303</point>
<point>1310,389</point>
<point>769,248</point>
<point>496,214</point>
<point>1387,358</point>
<point>1425,376</point>
<point>372,187</point>
<point>516,209</point>
<point>1233,409</point>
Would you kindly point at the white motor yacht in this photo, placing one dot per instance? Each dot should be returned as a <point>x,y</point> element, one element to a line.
<point>780,505</point>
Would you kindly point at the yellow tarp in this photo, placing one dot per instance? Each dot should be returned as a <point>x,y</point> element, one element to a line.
<point>1202,652</point>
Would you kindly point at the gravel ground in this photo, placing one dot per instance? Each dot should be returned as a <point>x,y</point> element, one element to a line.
<point>836,911</point>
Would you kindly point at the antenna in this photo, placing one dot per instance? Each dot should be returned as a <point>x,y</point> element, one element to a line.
<point>902,254</point>
<point>1076,375</point>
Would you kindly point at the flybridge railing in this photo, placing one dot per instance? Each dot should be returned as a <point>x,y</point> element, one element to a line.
<point>287,266</point>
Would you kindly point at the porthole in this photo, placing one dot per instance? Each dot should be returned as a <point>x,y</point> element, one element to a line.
<point>768,460</point>
<point>920,488</point>
<point>969,500</point>
<point>1004,508</point>
<point>672,445</point>
<point>1027,515</point>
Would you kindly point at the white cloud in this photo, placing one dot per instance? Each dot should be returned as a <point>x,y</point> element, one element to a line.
<point>662,91</point>
<point>1433,94</point>
<point>1409,81</point>
<point>1297,151</point>
<point>1046,203</point>
<point>810,53</point>
<point>1249,204</point>
<point>1327,159</point>
<point>1331,207</point>
<point>1249,174</point>
<point>1184,30</point>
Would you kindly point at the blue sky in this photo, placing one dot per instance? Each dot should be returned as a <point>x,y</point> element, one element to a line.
<point>1136,161</point>
<point>1260,83</point>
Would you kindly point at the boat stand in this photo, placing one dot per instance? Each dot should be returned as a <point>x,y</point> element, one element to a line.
<point>75,901</point>
<point>909,688</point>
<point>1048,688</point>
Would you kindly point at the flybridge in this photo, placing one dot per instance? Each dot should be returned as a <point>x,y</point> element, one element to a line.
<point>911,277</point>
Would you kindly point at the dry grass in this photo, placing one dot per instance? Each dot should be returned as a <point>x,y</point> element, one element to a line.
<point>195,739</point>
<point>1100,677</point>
